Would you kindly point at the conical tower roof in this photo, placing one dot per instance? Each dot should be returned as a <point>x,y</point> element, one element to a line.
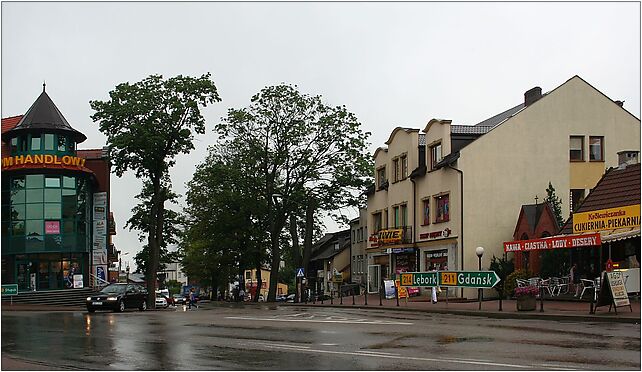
<point>44,116</point>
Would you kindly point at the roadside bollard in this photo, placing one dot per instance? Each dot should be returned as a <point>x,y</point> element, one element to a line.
<point>341,294</point>
<point>331,297</point>
<point>353,297</point>
<point>541,299</point>
<point>365,296</point>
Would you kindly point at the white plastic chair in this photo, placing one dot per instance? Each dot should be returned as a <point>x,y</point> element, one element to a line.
<point>588,284</point>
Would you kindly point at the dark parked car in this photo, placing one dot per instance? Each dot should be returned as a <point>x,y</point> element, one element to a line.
<point>178,299</point>
<point>118,297</point>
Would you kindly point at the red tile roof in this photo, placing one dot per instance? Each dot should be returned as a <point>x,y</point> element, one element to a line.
<point>10,122</point>
<point>617,188</point>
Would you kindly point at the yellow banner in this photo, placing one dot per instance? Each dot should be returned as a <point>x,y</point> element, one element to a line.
<point>390,236</point>
<point>607,219</point>
<point>403,292</point>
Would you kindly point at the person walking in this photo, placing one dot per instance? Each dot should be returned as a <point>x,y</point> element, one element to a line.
<point>191,299</point>
<point>434,289</point>
<point>242,295</point>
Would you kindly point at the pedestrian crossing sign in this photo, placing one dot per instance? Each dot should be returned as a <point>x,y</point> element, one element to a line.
<point>299,272</point>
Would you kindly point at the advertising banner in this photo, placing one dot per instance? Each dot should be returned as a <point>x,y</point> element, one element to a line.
<point>554,242</point>
<point>389,287</point>
<point>607,219</point>
<point>100,229</point>
<point>78,283</point>
<point>52,227</point>
<point>393,236</point>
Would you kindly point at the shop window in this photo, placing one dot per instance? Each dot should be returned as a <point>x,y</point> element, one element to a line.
<point>35,181</point>
<point>577,148</point>
<point>52,211</point>
<point>35,196</point>
<point>14,145</point>
<point>443,208</point>
<point>17,228</point>
<point>17,183</point>
<point>18,212</point>
<point>49,141</point>
<point>52,182</point>
<point>435,155</point>
<point>34,211</point>
<point>18,196</point>
<point>52,196</point>
<point>35,143</point>
<point>596,149</point>
<point>34,229</point>
<point>69,182</point>
<point>68,226</point>
<point>426,212</point>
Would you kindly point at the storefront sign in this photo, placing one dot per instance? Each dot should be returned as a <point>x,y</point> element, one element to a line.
<point>607,219</point>
<point>437,234</point>
<point>393,236</point>
<point>554,242</point>
<point>400,250</point>
<point>20,160</point>
<point>52,227</point>
<point>618,291</point>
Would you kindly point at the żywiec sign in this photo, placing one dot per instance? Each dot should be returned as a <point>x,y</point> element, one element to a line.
<point>607,219</point>
<point>20,160</point>
<point>554,242</point>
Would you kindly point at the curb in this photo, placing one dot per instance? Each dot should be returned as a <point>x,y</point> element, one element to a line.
<point>535,315</point>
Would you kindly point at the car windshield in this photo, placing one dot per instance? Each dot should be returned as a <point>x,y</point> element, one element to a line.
<point>114,289</point>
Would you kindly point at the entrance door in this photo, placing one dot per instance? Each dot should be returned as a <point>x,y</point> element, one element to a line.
<point>374,278</point>
<point>43,275</point>
<point>22,275</point>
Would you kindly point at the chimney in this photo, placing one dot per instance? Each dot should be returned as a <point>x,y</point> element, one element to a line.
<point>532,95</point>
<point>422,150</point>
<point>620,103</point>
<point>627,157</point>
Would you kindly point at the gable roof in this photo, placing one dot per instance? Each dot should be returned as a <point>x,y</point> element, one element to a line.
<point>324,248</point>
<point>43,115</point>
<point>618,187</point>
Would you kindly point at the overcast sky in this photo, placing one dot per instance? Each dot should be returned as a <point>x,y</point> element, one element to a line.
<point>392,64</point>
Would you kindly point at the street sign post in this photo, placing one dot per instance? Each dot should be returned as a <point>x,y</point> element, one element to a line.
<point>468,279</point>
<point>299,273</point>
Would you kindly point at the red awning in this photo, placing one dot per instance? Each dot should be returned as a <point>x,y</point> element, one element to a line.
<point>554,242</point>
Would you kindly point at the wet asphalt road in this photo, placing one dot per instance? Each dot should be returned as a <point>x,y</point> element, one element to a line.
<point>263,337</point>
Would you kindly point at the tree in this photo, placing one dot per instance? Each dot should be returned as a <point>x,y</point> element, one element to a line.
<point>556,204</point>
<point>147,125</point>
<point>503,267</point>
<point>307,152</point>
<point>554,262</point>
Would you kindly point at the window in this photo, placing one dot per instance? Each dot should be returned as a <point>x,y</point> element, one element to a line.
<point>426,212</point>
<point>52,182</point>
<point>49,141</point>
<point>14,145</point>
<point>577,148</point>
<point>596,149</point>
<point>577,196</point>
<point>404,167</point>
<point>35,143</point>
<point>381,178</point>
<point>443,208</point>
<point>62,143</point>
<point>435,155</point>
<point>395,170</point>
<point>376,221</point>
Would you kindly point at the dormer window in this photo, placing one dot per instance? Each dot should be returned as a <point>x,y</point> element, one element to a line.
<point>435,155</point>
<point>381,178</point>
<point>49,141</point>
<point>35,143</point>
<point>14,145</point>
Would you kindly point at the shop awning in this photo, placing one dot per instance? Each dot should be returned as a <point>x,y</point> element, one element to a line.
<point>619,234</point>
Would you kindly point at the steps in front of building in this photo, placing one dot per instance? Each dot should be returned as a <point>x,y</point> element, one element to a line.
<point>65,297</point>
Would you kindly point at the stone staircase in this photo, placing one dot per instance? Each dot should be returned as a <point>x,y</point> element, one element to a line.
<point>65,297</point>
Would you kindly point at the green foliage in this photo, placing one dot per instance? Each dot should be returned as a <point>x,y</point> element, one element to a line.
<point>503,267</point>
<point>556,204</point>
<point>174,286</point>
<point>147,124</point>
<point>294,145</point>
<point>511,280</point>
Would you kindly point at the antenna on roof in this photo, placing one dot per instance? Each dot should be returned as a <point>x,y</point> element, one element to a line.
<point>44,84</point>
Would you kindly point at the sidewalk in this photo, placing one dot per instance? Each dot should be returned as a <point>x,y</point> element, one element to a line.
<point>553,309</point>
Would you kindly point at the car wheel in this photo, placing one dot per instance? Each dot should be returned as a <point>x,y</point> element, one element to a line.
<point>143,306</point>
<point>121,306</point>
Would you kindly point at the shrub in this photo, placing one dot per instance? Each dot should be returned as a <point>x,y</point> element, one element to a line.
<point>511,280</point>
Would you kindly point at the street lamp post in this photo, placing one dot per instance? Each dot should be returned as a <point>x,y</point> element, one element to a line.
<point>120,263</point>
<point>480,252</point>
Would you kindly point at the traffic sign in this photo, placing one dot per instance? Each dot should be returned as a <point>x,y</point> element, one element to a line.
<point>299,272</point>
<point>9,289</point>
<point>469,279</point>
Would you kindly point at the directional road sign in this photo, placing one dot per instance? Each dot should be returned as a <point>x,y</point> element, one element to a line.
<point>9,289</point>
<point>469,279</point>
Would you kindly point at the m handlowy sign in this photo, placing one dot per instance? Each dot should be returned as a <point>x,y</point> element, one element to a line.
<point>554,242</point>
<point>468,279</point>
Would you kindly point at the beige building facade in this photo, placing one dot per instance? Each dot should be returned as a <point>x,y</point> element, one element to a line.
<point>464,184</point>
